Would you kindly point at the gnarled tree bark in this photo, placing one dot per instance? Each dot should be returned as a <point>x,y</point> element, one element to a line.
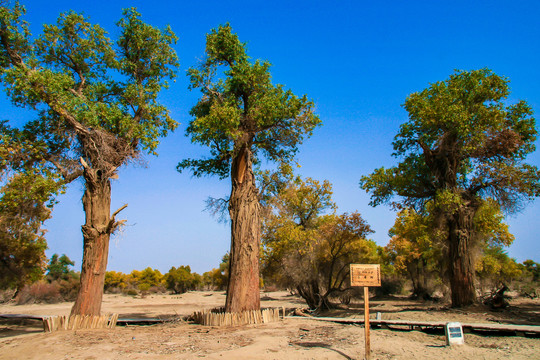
<point>244,209</point>
<point>461,267</point>
<point>98,227</point>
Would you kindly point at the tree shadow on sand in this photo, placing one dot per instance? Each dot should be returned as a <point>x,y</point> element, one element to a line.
<point>313,344</point>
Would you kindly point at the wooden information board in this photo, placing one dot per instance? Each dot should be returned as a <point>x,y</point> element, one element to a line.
<point>365,275</point>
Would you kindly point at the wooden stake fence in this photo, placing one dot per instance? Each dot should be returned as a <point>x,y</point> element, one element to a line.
<point>55,323</point>
<point>218,318</point>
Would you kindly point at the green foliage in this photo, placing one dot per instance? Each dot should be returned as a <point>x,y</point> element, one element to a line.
<point>490,227</point>
<point>218,278</point>
<point>529,283</point>
<point>76,73</point>
<point>463,138</point>
<point>495,267</point>
<point>292,215</point>
<point>242,118</point>
<point>24,207</point>
<point>532,268</point>
<point>146,279</point>
<point>96,100</point>
<point>412,252</point>
<point>417,243</point>
<point>181,279</point>
<point>58,268</point>
<point>115,280</point>
<point>240,107</point>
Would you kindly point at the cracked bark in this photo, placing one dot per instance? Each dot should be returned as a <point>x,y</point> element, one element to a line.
<point>244,209</point>
<point>461,264</point>
<point>98,227</point>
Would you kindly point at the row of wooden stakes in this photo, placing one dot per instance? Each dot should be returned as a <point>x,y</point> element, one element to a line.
<point>213,318</point>
<point>76,322</point>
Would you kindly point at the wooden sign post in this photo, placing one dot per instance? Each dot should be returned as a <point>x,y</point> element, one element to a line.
<point>366,275</point>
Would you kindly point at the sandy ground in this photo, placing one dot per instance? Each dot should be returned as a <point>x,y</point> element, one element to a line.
<point>302,338</point>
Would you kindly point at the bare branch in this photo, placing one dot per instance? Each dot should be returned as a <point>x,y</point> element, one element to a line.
<point>118,211</point>
<point>84,163</point>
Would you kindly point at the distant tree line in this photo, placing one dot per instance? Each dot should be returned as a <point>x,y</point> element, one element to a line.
<point>177,280</point>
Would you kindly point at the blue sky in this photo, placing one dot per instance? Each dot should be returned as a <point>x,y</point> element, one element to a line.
<point>357,60</point>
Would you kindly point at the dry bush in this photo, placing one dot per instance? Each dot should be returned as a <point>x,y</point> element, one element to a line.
<point>68,288</point>
<point>157,289</point>
<point>130,292</point>
<point>49,292</point>
<point>271,288</point>
<point>529,290</point>
<point>7,295</point>
<point>113,290</point>
<point>39,292</point>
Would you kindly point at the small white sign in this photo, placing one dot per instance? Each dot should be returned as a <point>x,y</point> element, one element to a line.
<point>454,334</point>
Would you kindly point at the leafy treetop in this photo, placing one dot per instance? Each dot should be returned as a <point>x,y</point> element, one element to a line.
<point>461,138</point>
<point>241,109</point>
<point>96,100</point>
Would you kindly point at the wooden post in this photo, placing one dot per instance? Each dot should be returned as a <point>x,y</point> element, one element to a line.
<point>366,322</point>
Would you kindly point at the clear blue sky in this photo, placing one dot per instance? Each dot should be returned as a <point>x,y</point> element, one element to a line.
<point>357,60</point>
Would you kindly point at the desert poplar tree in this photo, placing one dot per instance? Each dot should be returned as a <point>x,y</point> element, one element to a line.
<point>97,109</point>
<point>242,117</point>
<point>463,145</point>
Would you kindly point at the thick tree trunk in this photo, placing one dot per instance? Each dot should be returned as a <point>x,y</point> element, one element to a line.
<point>420,290</point>
<point>244,209</point>
<point>96,233</point>
<point>459,250</point>
<point>311,293</point>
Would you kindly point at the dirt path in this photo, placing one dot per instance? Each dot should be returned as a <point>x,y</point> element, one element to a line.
<point>287,339</point>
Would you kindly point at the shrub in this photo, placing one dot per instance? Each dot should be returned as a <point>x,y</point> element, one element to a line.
<point>69,288</point>
<point>113,290</point>
<point>157,289</point>
<point>39,292</point>
<point>115,281</point>
<point>181,279</point>
<point>390,286</point>
<point>59,268</point>
<point>529,290</point>
<point>6,295</point>
<point>145,279</point>
<point>131,292</point>
<point>144,287</point>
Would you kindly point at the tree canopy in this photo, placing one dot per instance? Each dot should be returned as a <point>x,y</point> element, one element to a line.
<point>461,137</point>
<point>95,99</point>
<point>24,207</point>
<point>240,107</point>
<point>58,267</point>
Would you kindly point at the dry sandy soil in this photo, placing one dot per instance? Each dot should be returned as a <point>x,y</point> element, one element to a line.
<point>298,338</point>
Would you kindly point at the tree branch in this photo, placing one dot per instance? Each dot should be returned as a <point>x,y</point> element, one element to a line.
<point>118,211</point>
<point>113,224</point>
